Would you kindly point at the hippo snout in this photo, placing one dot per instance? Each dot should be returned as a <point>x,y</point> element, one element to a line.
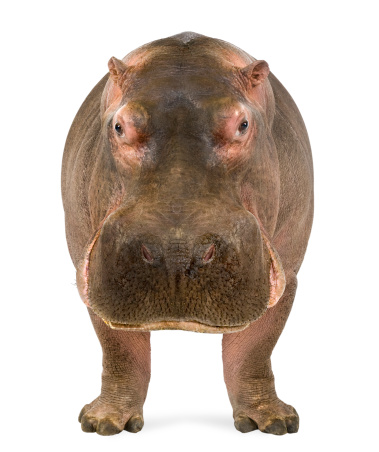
<point>143,270</point>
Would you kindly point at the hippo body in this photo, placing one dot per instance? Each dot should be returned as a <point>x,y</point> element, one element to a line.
<point>187,184</point>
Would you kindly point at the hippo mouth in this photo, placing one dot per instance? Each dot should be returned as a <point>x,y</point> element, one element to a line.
<point>194,326</point>
<point>277,286</point>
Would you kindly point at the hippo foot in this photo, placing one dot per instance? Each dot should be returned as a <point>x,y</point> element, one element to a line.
<point>109,418</point>
<point>272,416</point>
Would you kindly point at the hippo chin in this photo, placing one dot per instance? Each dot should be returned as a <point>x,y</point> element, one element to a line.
<point>187,185</point>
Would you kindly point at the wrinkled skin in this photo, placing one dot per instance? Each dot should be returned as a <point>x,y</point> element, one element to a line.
<point>187,184</point>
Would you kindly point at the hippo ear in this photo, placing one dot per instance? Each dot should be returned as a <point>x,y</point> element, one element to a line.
<point>117,70</point>
<point>256,72</point>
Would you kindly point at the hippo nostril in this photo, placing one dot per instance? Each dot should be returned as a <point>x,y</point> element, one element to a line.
<point>146,255</point>
<point>209,255</point>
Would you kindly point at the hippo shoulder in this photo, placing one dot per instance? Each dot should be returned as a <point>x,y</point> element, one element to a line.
<point>79,158</point>
<point>296,177</point>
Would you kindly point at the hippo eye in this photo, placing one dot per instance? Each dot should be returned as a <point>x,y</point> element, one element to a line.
<point>243,127</point>
<point>118,129</point>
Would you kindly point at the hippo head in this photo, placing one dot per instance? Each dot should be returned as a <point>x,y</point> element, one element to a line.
<point>186,130</point>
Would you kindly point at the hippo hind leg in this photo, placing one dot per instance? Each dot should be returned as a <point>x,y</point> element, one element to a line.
<point>125,379</point>
<point>248,375</point>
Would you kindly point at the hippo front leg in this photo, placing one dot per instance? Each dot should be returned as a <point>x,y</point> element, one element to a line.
<point>125,379</point>
<point>248,375</point>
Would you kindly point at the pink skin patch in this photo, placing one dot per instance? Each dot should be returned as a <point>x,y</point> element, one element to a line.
<point>209,255</point>
<point>128,135</point>
<point>132,120</point>
<point>82,273</point>
<point>235,134</point>
<point>277,276</point>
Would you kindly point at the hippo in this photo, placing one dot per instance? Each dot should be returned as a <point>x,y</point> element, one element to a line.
<point>187,185</point>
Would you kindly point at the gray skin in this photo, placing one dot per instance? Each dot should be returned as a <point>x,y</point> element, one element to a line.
<point>187,184</point>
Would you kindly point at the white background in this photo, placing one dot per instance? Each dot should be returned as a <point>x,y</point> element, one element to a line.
<point>326,55</point>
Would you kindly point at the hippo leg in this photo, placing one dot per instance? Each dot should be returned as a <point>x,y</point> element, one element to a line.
<point>125,379</point>
<point>248,375</point>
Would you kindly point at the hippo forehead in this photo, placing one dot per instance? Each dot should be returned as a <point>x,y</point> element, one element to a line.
<point>186,65</point>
